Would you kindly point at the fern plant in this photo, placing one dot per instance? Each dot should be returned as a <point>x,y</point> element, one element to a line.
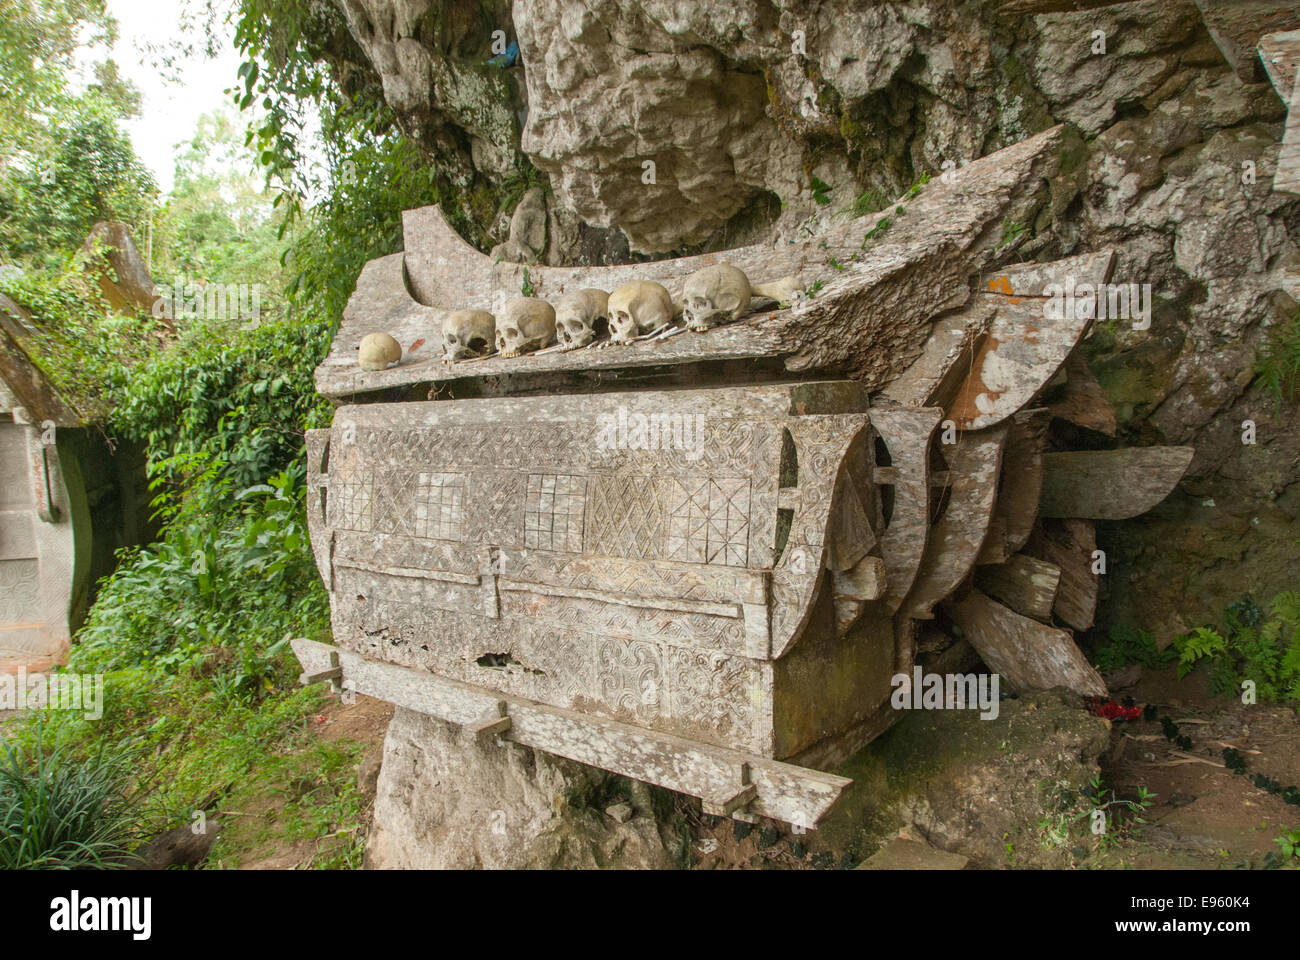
<point>1279,363</point>
<point>1263,649</point>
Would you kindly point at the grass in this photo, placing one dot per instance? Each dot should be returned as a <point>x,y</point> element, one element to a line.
<point>256,765</point>
<point>60,810</point>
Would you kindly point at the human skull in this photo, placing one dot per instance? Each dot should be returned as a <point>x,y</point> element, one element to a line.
<point>714,295</point>
<point>636,308</point>
<point>377,351</point>
<point>468,333</point>
<point>576,315</point>
<point>526,324</point>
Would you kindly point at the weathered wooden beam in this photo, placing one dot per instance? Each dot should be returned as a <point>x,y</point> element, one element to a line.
<point>1081,400</point>
<point>1110,484</point>
<point>957,536</point>
<point>1280,54</point>
<point>906,434</point>
<point>1028,8</point>
<point>1287,177</point>
<point>1025,584</point>
<point>1019,488</point>
<point>492,724</point>
<point>1069,545</point>
<point>726,803</point>
<point>781,791</point>
<point>1029,338</point>
<point>1027,654</point>
<point>319,661</point>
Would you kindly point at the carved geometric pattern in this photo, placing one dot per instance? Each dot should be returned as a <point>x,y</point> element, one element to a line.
<point>389,505</point>
<point>712,690</point>
<point>626,518</point>
<point>496,515</point>
<point>20,591</point>
<point>553,512</point>
<point>440,506</point>
<point>351,503</point>
<point>709,522</point>
<point>629,676</point>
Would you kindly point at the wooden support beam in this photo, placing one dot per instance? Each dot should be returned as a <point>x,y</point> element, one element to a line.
<point>1287,177</point>
<point>782,791</point>
<point>1110,484</point>
<point>728,802</point>
<point>1280,54</point>
<point>1019,488</point>
<point>1236,27</point>
<point>1081,400</point>
<point>957,537</point>
<point>906,434</point>
<point>493,724</point>
<point>1027,654</point>
<point>1025,584</point>
<point>1069,544</point>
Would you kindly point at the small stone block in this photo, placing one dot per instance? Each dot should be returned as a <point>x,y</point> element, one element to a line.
<point>904,854</point>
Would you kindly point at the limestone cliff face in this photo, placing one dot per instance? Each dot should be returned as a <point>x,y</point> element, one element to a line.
<point>764,118</point>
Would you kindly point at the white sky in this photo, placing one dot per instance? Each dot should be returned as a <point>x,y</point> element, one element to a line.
<point>171,109</point>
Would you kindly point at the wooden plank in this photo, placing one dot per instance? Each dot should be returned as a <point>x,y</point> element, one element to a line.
<point>1287,177</point>
<point>319,661</point>
<point>906,434</point>
<point>1026,343</point>
<point>957,536</point>
<point>1019,488</point>
<point>1280,54</point>
<point>1025,584</point>
<point>1028,655</point>
<point>1110,484</point>
<point>782,791</point>
<point>493,724</point>
<point>1081,400</point>
<point>1069,544</point>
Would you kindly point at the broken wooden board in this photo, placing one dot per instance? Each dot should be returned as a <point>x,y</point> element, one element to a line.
<point>957,536</point>
<point>782,791</point>
<point>1029,338</point>
<point>950,370</point>
<point>1280,54</point>
<point>1027,654</point>
<point>1069,545</point>
<point>1287,177</point>
<point>1025,584</point>
<point>1019,487</point>
<point>906,434</point>
<point>1236,26</point>
<point>1081,400</point>
<point>1110,484</point>
<point>865,322</point>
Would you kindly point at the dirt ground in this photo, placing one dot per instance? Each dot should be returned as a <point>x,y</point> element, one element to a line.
<point>1204,815</point>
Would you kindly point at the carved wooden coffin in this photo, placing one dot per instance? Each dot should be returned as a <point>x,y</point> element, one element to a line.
<point>670,559</point>
<point>624,555</point>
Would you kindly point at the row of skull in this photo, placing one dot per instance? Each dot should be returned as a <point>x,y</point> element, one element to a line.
<point>713,295</point>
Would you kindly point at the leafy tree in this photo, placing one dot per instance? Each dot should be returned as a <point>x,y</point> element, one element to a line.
<point>38,41</point>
